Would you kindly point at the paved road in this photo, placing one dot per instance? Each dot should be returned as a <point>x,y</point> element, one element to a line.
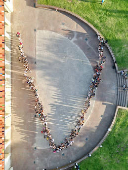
<point>25,128</point>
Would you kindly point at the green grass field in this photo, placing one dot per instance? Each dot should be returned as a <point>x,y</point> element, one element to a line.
<point>111,19</point>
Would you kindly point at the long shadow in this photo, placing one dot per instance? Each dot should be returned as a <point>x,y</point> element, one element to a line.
<point>91,1</point>
<point>30,3</point>
<point>116,13</point>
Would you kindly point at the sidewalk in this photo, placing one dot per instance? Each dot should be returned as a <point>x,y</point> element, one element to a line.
<point>28,20</point>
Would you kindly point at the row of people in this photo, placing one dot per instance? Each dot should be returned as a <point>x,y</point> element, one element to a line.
<point>39,107</point>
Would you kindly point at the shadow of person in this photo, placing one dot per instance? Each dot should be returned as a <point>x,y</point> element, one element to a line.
<point>30,3</point>
<point>91,1</point>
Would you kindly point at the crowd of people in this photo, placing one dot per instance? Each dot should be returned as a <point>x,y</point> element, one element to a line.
<point>39,107</point>
<point>124,74</point>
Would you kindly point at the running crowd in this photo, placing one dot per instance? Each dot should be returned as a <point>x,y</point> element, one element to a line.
<point>39,107</point>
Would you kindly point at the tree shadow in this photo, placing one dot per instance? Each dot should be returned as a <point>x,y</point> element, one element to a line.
<point>91,1</point>
<point>116,13</point>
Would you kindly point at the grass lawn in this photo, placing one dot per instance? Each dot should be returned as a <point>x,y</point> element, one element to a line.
<point>114,153</point>
<point>111,19</point>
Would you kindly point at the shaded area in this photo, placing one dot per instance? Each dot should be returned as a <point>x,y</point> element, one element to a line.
<point>63,78</point>
<point>30,3</point>
<point>23,121</point>
<point>116,12</point>
<point>91,1</point>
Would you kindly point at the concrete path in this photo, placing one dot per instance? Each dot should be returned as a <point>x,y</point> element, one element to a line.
<point>34,24</point>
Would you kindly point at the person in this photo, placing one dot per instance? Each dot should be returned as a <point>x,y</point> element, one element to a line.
<point>124,86</point>
<point>114,65</point>
<point>18,34</point>
<point>102,40</point>
<point>125,76</point>
<point>21,43</point>
<point>105,42</point>
<point>102,1</point>
<point>77,166</point>
<point>98,37</point>
<point>89,155</point>
<point>122,72</point>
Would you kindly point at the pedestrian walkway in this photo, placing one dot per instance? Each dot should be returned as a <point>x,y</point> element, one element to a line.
<point>24,125</point>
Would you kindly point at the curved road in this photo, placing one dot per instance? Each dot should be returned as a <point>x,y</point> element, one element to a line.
<point>29,149</point>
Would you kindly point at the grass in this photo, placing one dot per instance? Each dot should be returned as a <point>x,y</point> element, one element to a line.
<point>114,153</point>
<point>111,19</point>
